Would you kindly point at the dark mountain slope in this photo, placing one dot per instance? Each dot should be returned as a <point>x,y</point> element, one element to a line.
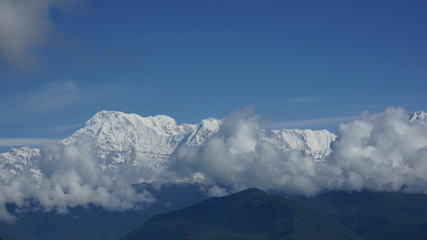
<point>380,215</point>
<point>250,214</point>
<point>253,214</point>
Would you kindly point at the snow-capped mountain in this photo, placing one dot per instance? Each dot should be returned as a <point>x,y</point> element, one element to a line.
<point>19,160</point>
<point>312,143</point>
<point>119,139</point>
<point>419,115</point>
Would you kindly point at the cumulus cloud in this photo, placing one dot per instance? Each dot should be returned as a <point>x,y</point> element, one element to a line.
<point>237,156</point>
<point>24,26</point>
<point>70,176</point>
<point>382,151</point>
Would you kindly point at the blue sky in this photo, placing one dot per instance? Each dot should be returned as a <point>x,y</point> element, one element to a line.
<point>302,64</point>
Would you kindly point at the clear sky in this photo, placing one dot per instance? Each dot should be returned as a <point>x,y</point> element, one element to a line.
<point>302,64</point>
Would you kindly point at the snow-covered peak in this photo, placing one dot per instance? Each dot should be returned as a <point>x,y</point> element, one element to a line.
<point>203,131</point>
<point>118,125</point>
<point>161,124</point>
<point>121,138</point>
<point>420,115</point>
<point>18,160</point>
<point>314,143</point>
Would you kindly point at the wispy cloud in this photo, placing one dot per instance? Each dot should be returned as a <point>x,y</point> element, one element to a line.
<point>46,98</point>
<point>17,142</point>
<point>61,129</point>
<point>54,97</point>
<point>311,122</point>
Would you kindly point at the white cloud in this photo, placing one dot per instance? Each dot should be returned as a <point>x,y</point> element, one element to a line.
<point>25,25</point>
<point>382,151</point>
<point>73,177</point>
<point>216,191</point>
<point>236,156</point>
<point>70,176</point>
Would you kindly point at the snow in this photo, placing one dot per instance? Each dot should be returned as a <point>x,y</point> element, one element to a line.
<point>420,115</point>
<point>121,138</point>
<point>19,160</point>
<point>203,131</point>
<point>312,143</point>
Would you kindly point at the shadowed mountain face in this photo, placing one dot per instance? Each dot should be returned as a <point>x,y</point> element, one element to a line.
<point>253,214</point>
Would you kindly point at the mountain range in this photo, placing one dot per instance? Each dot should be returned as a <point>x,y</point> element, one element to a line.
<point>115,142</point>
<point>120,139</point>
<point>118,166</point>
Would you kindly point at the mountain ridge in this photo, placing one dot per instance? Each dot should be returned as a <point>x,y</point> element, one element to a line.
<point>119,138</point>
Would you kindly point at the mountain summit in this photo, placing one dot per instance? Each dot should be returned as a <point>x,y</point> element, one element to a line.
<point>120,138</point>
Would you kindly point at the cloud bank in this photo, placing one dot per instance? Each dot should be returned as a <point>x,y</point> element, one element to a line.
<point>236,156</point>
<point>70,176</point>
<point>380,152</point>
